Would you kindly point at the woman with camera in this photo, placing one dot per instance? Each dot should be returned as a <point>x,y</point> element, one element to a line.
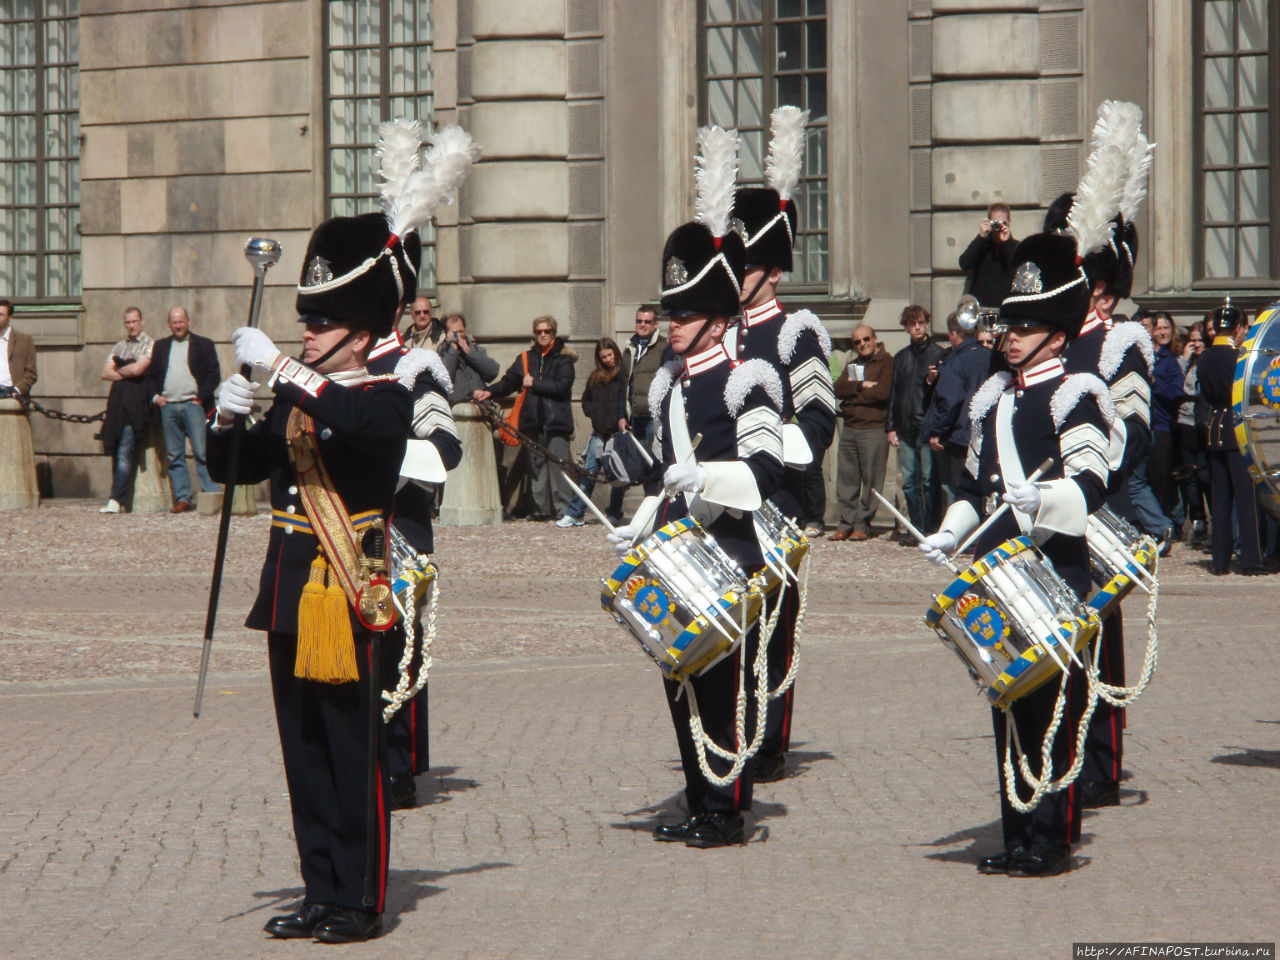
<point>600,401</point>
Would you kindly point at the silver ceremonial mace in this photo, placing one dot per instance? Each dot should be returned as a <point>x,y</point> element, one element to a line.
<point>262,254</point>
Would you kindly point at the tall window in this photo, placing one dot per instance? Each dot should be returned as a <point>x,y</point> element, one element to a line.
<point>756,55</point>
<point>39,150</point>
<point>1236,147</point>
<point>379,68</point>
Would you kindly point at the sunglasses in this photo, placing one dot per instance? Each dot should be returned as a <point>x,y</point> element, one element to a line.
<point>864,340</point>
<point>538,333</point>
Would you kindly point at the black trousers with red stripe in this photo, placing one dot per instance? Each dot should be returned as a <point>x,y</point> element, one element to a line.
<point>717,694</point>
<point>1104,746</point>
<point>407,741</point>
<point>1056,819</point>
<point>324,737</point>
<point>782,647</point>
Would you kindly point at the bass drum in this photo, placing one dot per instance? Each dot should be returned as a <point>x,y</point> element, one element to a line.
<point>1255,398</point>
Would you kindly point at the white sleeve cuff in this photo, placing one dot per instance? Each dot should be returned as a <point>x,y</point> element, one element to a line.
<point>422,462</point>
<point>731,483</point>
<point>1062,508</point>
<point>1115,444</point>
<point>795,448</point>
<point>960,520</point>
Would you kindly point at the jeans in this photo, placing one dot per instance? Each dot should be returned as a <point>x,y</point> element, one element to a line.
<point>1147,513</point>
<point>591,460</point>
<point>181,422</point>
<point>122,474</point>
<point>920,486</point>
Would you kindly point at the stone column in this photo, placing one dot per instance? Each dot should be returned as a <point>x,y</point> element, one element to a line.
<point>998,112</point>
<point>17,460</point>
<point>531,235</point>
<point>471,496</point>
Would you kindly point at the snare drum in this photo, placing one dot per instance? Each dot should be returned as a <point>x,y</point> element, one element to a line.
<point>782,543</point>
<point>1000,613</point>
<point>411,573</point>
<point>1114,546</point>
<point>682,597</point>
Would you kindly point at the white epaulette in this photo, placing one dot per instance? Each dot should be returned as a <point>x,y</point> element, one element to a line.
<point>417,360</point>
<point>661,383</point>
<point>1068,396</point>
<point>986,396</point>
<point>1116,344</point>
<point>745,377</point>
<point>795,324</point>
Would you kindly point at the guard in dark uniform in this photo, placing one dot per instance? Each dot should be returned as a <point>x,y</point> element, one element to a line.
<point>331,445</point>
<point>734,407</point>
<point>1122,356</point>
<point>1021,418</point>
<point>433,450</point>
<point>799,347</point>
<point>1231,490</point>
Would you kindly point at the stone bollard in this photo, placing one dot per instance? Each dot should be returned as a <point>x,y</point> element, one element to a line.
<point>471,494</point>
<point>18,489</point>
<point>245,505</point>
<point>151,493</point>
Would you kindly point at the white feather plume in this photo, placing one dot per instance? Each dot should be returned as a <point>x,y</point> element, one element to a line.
<point>444,168</point>
<point>786,149</point>
<point>399,146</point>
<point>1141,154</point>
<point>1098,199</point>
<point>1119,123</point>
<point>716,176</point>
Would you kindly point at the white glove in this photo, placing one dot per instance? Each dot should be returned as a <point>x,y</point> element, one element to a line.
<point>622,538</point>
<point>1024,497</point>
<point>254,348</point>
<point>937,546</point>
<point>684,478</point>
<point>235,397</point>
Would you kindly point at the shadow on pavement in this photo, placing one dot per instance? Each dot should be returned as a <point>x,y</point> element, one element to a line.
<point>1249,757</point>
<point>407,888</point>
<point>436,786</point>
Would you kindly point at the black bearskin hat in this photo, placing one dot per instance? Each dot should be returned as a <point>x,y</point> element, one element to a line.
<point>1113,264</point>
<point>351,275</point>
<point>702,273</point>
<point>769,226</point>
<point>1049,285</point>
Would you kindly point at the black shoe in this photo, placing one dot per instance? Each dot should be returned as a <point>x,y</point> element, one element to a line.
<point>1220,571</point>
<point>1100,793</point>
<point>998,863</point>
<point>1257,571</point>
<point>1042,860</point>
<point>769,767</point>
<point>404,792</point>
<point>349,926</point>
<point>717,830</point>
<point>292,926</point>
<point>682,831</point>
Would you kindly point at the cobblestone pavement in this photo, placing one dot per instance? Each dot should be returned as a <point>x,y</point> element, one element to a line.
<point>128,829</point>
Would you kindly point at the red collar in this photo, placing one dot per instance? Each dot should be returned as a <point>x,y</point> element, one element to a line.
<point>706,360</point>
<point>1046,370</point>
<point>1093,322</point>
<point>753,315</point>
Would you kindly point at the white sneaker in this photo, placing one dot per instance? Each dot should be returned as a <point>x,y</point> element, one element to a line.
<point>568,521</point>
<point>113,506</point>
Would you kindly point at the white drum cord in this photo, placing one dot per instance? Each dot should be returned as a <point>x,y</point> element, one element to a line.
<point>1119,696</point>
<point>407,688</point>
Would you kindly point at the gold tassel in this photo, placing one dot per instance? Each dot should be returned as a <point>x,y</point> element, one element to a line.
<point>326,647</point>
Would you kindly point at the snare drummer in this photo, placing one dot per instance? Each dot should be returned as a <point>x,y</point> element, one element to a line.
<point>733,408</point>
<point>432,450</point>
<point>798,346</point>
<point>1019,419</point>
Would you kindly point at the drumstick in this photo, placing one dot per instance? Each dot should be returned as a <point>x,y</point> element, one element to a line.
<point>689,458</point>
<point>586,498</point>
<point>910,529</point>
<point>1036,475</point>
